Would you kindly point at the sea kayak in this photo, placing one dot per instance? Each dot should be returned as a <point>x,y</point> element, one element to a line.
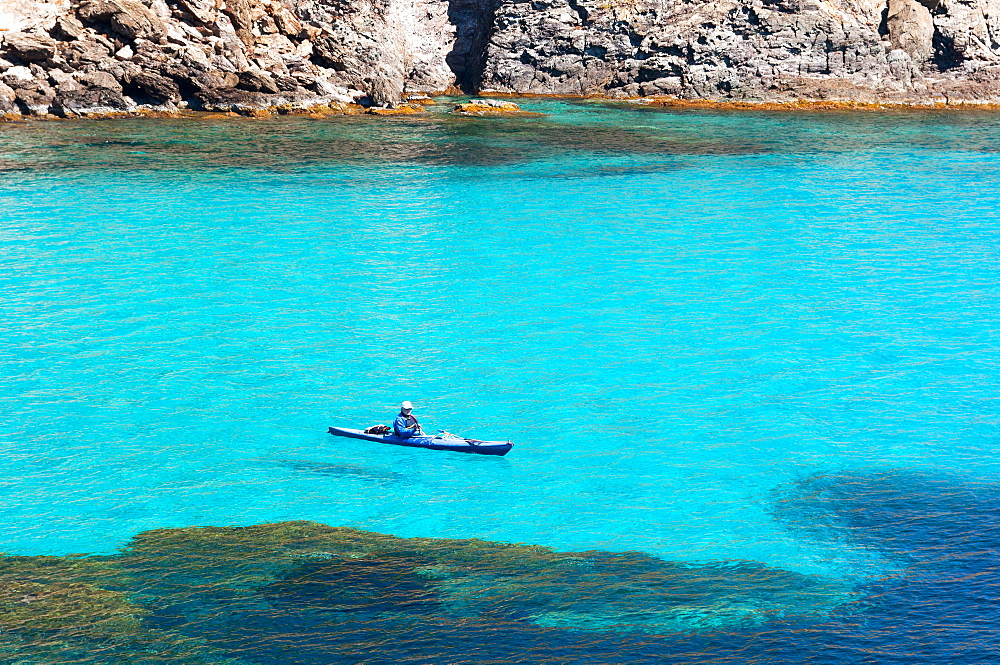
<point>440,441</point>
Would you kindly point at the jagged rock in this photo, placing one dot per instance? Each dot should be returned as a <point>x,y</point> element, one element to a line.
<point>286,22</point>
<point>304,51</point>
<point>92,100</point>
<point>63,81</point>
<point>160,88</point>
<point>252,81</point>
<point>67,28</point>
<point>327,51</point>
<point>30,47</point>
<point>204,11</point>
<point>99,79</point>
<point>36,96</point>
<point>87,50</point>
<point>8,99</point>
<point>126,18</point>
<point>239,13</point>
<point>231,44</point>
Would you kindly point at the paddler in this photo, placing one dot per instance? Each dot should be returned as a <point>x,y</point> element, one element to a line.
<point>406,424</point>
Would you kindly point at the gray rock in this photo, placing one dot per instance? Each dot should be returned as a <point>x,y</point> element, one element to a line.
<point>88,49</point>
<point>911,28</point>
<point>8,99</point>
<point>238,54</point>
<point>63,81</point>
<point>385,91</point>
<point>86,101</point>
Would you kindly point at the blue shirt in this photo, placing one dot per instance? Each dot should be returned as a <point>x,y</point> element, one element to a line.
<point>405,426</point>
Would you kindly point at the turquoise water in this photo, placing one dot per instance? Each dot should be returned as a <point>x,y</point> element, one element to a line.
<point>678,318</point>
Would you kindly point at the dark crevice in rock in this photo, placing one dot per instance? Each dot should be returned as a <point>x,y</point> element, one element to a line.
<point>883,25</point>
<point>580,10</point>
<point>946,56</point>
<point>474,24</point>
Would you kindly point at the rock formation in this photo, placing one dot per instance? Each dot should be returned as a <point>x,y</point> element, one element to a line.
<point>78,57</point>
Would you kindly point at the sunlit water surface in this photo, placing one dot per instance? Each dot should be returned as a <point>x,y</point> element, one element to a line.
<point>699,329</point>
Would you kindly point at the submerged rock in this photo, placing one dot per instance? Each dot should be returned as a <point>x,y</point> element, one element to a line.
<point>247,591</point>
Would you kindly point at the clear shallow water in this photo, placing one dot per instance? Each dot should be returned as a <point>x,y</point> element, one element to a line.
<point>681,319</point>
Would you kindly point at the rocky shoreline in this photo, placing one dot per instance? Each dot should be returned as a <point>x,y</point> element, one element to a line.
<point>107,58</point>
<point>475,108</point>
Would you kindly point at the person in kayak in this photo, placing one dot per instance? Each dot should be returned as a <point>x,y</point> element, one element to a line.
<point>406,424</point>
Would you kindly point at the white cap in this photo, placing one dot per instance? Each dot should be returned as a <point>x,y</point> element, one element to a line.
<point>406,406</point>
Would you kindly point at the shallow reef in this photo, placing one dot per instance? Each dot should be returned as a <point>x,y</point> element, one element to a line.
<point>307,592</point>
<point>303,592</point>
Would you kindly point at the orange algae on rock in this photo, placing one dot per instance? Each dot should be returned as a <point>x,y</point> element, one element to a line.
<point>492,108</point>
<point>402,109</point>
<point>810,105</point>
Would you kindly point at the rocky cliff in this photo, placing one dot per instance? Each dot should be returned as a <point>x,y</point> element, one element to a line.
<point>69,57</point>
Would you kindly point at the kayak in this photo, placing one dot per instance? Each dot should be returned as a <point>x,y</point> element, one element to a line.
<point>440,441</point>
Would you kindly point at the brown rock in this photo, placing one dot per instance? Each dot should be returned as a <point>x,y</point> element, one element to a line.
<point>30,47</point>
<point>159,88</point>
<point>99,79</point>
<point>286,22</point>
<point>205,11</point>
<point>86,51</point>
<point>127,18</point>
<point>224,100</point>
<point>252,81</point>
<point>239,13</point>
<point>215,80</point>
<point>67,28</point>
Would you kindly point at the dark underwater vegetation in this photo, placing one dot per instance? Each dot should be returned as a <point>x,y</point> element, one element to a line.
<point>302,592</point>
<point>296,143</point>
